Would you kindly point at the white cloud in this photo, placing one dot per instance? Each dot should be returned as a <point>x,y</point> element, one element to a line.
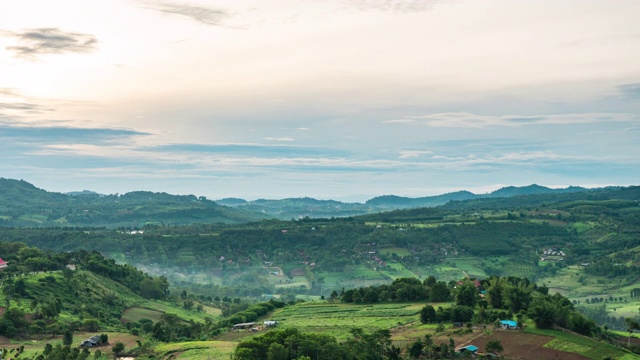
<point>469,120</point>
<point>279,139</point>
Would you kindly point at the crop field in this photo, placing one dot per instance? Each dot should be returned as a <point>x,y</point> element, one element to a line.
<point>395,250</point>
<point>34,347</point>
<point>197,350</point>
<point>360,276</point>
<point>137,313</point>
<point>396,270</point>
<point>447,272</point>
<point>570,342</point>
<point>473,266</point>
<point>186,315</point>
<point>338,319</point>
<point>297,281</point>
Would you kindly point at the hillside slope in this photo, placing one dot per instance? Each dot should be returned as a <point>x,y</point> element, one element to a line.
<point>24,205</point>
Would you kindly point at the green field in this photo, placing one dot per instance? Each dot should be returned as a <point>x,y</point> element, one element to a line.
<point>337,319</point>
<point>388,251</point>
<point>571,342</point>
<point>197,350</point>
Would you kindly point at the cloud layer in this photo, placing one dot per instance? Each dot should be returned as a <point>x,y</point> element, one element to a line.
<point>34,42</point>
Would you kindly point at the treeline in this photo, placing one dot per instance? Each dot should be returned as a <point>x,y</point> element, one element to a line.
<point>400,290</point>
<point>293,344</point>
<point>480,301</point>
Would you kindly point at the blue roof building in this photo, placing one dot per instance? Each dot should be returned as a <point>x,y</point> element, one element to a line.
<point>469,348</point>
<point>508,324</point>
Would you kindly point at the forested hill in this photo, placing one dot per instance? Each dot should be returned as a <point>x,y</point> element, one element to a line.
<point>307,207</point>
<point>24,205</point>
<point>428,201</point>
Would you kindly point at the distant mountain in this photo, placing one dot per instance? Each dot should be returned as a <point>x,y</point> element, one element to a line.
<point>398,202</point>
<point>305,207</point>
<point>231,202</point>
<point>83,192</point>
<point>24,205</point>
<point>427,201</point>
<point>531,190</point>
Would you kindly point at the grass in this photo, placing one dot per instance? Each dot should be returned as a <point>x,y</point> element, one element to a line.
<point>198,350</point>
<point>397,250</point>
<point>337,319</point>
<point>396,270</point>
<point>571,342</point>
<point>137,313</point>
<point>34,347</point>
<point>187,315</point>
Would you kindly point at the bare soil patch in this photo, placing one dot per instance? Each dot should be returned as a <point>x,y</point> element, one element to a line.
<point>522,346</point>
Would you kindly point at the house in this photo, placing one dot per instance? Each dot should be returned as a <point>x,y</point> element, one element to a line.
<point>270,323</point>
<point>3,264</point>
<point>243,326</point>
<point>508,324</point>
<point>468,348</point>
<point>91,342</point>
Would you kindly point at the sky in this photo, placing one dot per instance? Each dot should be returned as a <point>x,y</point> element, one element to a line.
<point>329,99</point>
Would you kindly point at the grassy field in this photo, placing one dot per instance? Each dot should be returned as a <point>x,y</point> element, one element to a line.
<point>197,350</point>
<point>163,307</point>
<point>337,319</point>
<point>137,313</point>
<point>34,347</point>
<point>571,342</point>
<point>395,250</point>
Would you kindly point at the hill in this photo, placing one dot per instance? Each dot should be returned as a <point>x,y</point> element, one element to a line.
<point>24,205</point>
<point>77,290</point>
<point>307,207</point>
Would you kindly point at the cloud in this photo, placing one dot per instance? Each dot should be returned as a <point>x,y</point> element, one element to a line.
<point>280,139</point>
<point>400,121</point>
<point>468,120</point>
<point>630,91</point>
<point>205,15</point>
<point>254,150</point>
<point>52,135</point>
<point>408,154</point>
<point>33,42</point>
<point>400,6</point>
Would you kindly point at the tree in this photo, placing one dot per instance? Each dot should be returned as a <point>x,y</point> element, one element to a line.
<point>415,351</point>
<point>277,352</point>
<point>543,314</point>
<point>631,325</point>
<point>427,314</point>
<point>430,281</point>
<point>494,347</point>
<point>439,292</point>
<point>467,294</point>
<point>67,339</point>
<point>117,348</point>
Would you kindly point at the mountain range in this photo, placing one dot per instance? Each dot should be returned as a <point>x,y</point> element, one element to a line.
<point>22,204</point>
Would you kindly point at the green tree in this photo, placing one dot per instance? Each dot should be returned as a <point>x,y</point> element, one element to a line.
<point>277,352</point>
<point>117,348</point>
<point>466,294</point>
<point>542,312</point>
<point>439,292</point>
<point>415,351</point>
<point>67,338</point>
<point>494,347</point>
<point>427,314</point>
